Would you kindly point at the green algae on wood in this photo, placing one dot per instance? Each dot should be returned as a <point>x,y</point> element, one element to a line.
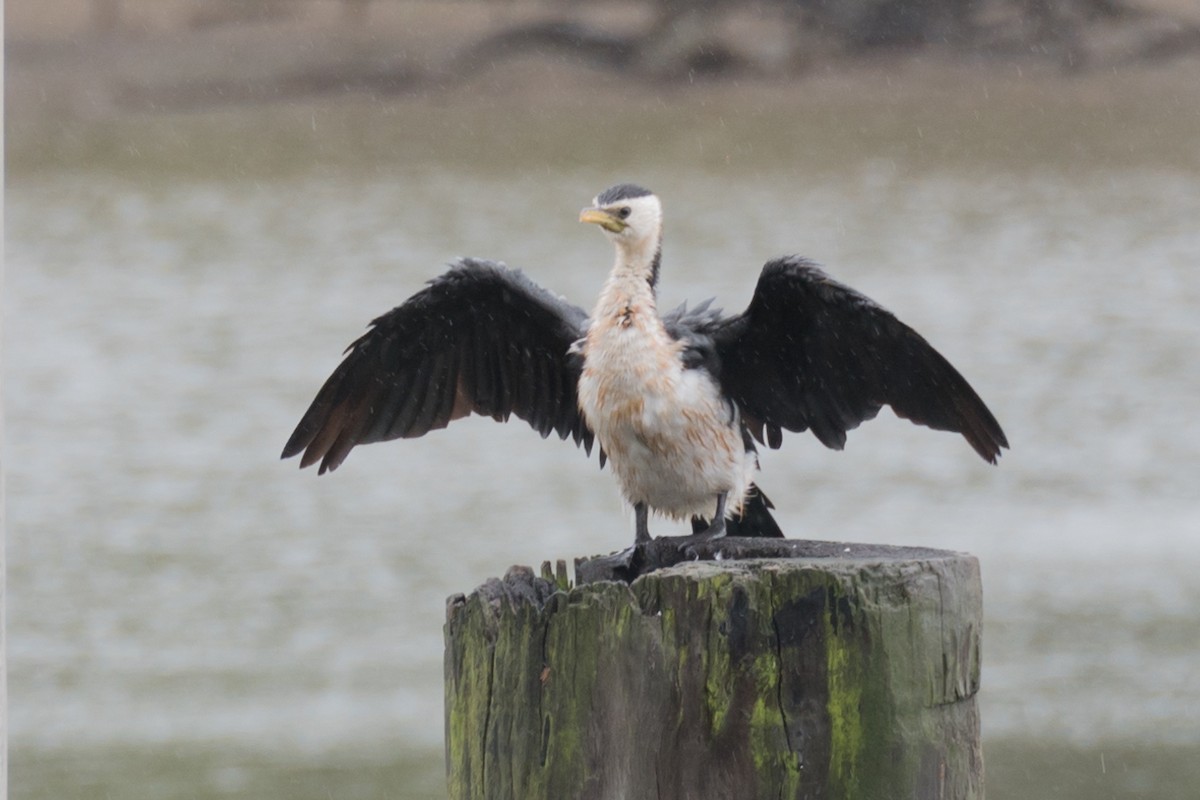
<point>819,671</point>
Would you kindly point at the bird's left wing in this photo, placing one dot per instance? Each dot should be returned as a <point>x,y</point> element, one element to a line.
<point>811,353</point>
<point>481,338</point>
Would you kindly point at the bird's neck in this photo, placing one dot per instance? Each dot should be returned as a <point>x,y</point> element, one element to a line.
<point>631,284</point>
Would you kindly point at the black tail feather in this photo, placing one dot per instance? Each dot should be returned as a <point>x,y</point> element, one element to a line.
<point>754,520</point>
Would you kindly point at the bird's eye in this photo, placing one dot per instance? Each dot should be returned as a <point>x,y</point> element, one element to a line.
<point>623,213</point>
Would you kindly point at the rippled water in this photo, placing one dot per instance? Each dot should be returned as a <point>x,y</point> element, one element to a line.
<point>189,617</point>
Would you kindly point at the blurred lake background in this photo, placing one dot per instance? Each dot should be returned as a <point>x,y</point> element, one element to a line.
<point>203,210</point>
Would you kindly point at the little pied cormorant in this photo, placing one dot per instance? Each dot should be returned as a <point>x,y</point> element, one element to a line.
<point>676,401</point>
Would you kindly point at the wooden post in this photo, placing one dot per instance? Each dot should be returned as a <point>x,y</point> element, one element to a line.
<point>788,669</point>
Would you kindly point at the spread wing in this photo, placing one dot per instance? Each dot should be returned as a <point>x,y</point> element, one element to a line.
<point>811,354</point>
<point>481,338</point>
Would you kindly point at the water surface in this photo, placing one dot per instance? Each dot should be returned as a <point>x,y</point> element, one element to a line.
<point>189,617</point>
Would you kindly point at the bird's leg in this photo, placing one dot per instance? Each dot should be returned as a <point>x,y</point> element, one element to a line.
<point>716,528</point>
<point>641,515</point>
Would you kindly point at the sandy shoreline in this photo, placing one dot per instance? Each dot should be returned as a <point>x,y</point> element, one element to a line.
<point>194,63</point>
<point>165,53</point>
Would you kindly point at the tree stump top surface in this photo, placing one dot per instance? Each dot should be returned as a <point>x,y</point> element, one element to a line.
<point>663,559</point>
<point>661,554</point>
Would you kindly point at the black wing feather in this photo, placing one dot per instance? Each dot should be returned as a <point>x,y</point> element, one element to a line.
<point>481,338</point>
<point>812,354</point>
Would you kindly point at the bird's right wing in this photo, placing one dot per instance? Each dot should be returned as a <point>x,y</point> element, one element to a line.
<point>481,338</point>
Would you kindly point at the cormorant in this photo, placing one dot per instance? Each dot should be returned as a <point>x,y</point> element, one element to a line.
<point>676,401</point>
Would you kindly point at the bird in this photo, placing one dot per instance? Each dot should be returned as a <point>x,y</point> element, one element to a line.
<point>677,402</point>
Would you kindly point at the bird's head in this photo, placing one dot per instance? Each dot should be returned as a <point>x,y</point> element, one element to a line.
<point>631,217</point>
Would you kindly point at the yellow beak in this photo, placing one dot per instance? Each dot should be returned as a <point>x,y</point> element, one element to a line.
<point>599,216</point>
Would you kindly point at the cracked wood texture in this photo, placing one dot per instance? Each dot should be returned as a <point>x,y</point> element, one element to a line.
<point>815,670</point>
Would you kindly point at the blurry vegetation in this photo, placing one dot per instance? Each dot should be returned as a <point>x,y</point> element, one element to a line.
<point>677,37</point>
<point>690,35</point>
<point>696,36</point>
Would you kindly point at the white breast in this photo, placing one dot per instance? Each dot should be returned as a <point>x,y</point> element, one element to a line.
<point>672,439</point>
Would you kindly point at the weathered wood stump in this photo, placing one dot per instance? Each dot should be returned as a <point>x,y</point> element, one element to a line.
<point>787,669</point>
